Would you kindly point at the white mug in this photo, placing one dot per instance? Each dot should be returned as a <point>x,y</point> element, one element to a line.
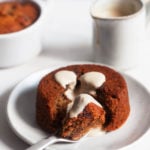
<point>18,47</point>
<point>119,31</point>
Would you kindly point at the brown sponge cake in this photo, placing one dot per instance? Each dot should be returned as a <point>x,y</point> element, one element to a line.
<point>52,103</point>
<point>77,124</point>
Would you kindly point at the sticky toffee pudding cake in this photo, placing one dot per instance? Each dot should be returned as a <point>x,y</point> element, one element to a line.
<point>15,15</point>
<point>77,99</point>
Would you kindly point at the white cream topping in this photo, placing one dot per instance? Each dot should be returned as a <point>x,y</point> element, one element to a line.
<point>70,94</point>
<point>92,79</point>
<point>80,103</point>
<point>66,78</point>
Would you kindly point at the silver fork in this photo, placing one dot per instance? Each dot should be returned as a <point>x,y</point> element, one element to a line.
<point>50,140</point>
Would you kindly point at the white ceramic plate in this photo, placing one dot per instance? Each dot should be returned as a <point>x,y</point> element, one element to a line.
<point>21,116</point>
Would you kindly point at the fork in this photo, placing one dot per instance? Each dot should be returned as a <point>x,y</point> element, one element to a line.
<point>50,140</point>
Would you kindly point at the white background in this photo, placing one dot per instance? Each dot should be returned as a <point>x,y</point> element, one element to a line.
<point>67,37</point>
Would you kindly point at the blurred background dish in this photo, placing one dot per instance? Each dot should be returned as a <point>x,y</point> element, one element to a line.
<point>21,40</point>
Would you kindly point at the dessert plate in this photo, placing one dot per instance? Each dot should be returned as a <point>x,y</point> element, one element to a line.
<point>21,117</point>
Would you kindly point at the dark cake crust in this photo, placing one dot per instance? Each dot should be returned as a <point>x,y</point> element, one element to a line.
<point>51,102</point>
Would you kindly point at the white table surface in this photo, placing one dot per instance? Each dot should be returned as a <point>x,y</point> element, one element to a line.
<point>67,37</point>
